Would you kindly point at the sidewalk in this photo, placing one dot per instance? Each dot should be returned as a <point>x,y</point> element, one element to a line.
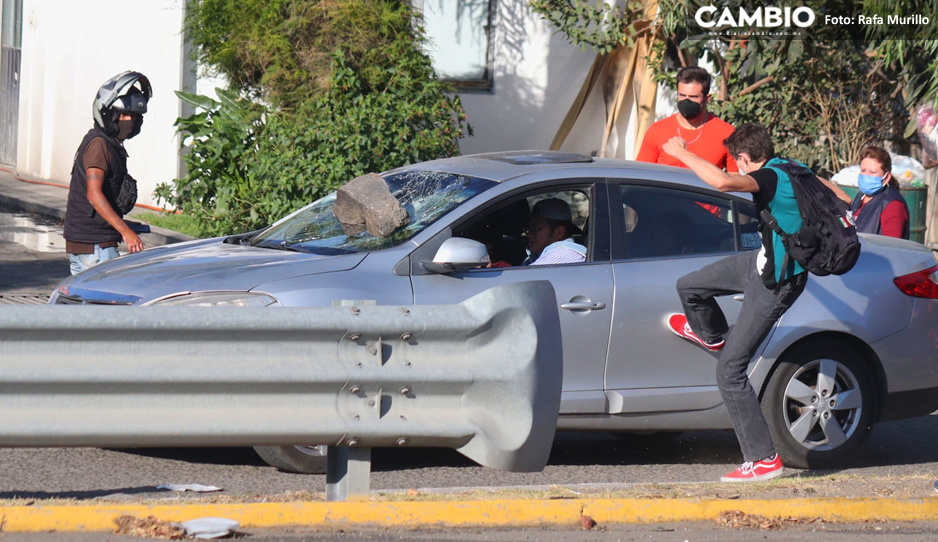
<point>34,259</point>
<point>47,199</point>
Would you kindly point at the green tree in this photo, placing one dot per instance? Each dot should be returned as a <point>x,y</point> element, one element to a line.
<point>823,93</point>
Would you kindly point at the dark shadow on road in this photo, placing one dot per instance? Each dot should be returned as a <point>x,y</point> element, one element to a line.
<point>904,442</point>
<point>22,270</point>
<point>201,456</point>
<point>112,494</point>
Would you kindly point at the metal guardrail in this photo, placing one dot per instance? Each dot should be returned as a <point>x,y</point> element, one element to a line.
<point>483,376</point>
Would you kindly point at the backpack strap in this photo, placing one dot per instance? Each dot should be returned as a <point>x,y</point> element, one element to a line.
<point>769,220</point>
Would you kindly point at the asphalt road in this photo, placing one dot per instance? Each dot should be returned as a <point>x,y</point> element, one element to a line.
<point>677,532</point>
<point>906,449</point>
<point>25,272</point>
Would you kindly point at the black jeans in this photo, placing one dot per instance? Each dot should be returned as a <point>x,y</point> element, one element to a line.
<point>762,307</point>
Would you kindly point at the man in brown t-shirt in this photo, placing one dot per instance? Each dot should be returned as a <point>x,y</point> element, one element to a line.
<point>94,222</point>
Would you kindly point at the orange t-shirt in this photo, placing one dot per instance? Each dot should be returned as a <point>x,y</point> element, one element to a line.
<point>706,142</point>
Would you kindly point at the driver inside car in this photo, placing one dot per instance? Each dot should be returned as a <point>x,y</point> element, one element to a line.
<point>550,231</point>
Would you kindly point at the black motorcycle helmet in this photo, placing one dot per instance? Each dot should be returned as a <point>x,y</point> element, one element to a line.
<point>128,91</point>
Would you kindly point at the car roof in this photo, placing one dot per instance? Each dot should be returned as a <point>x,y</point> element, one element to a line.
<point>502,166</point>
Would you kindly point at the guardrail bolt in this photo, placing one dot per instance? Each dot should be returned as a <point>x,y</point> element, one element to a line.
<point>402,441</point>
<point>356,311</point>
<point>355,389</point>
<point>406,364</point>
<point>373,350</point>
<point>354,337</point>
<point>371,402</point>
<point>352,442</point>
<point>358,364</point>
<point>405,311</point>
<point>403,417</point>
<point>356,417</point>
<point>405,390</point>
<point>406,336</point>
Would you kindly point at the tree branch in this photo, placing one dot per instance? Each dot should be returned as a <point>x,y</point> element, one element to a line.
<point>756,85</point>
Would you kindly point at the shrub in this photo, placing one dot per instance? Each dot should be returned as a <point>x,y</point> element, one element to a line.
<point>249,166</point>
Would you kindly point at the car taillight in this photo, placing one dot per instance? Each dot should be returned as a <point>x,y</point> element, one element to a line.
<point>919,284</point>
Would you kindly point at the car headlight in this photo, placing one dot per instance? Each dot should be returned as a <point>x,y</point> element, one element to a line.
<point>217,299</point>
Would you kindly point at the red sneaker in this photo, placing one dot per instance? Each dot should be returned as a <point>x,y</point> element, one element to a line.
<point>677,323</point>
<point>766,469</point>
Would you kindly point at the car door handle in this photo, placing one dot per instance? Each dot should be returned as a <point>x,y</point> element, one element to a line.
<point>583,305</point>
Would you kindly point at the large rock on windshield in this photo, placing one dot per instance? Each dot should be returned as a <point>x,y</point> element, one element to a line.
<point>366,204</point>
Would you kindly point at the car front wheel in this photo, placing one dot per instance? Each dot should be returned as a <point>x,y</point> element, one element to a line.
<point>298,459</point>
<point>819,404</point>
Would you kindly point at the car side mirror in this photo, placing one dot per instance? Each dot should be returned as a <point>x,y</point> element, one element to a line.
<point>458,253</point>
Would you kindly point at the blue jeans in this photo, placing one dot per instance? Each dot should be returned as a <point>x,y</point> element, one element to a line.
<point>80,262</point>
<point>762,307</point>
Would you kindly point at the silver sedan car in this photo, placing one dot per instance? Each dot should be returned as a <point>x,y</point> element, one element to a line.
<point>853,350</point>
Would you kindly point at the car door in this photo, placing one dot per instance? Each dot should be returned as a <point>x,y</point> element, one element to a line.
<point>660,233</point>
<point>584,291</point>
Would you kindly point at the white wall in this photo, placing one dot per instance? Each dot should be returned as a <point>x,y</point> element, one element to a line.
<point>69,49</point>
<point>537,76</point>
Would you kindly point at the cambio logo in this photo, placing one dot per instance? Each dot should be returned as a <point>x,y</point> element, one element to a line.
<point>769,17</point>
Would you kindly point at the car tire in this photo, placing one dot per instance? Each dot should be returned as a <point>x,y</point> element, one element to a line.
<point>819,404</point>
<point>297,459</point>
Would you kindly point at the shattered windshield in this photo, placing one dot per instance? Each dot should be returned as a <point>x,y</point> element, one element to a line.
<point>425,195</point>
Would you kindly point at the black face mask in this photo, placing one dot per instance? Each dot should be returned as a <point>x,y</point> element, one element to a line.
<point>127,129</point>
<point>689,108</point>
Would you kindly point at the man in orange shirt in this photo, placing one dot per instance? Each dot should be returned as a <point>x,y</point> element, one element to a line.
<point>702,132</point>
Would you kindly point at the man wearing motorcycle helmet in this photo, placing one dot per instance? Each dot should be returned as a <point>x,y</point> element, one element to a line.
<point>101,191</point>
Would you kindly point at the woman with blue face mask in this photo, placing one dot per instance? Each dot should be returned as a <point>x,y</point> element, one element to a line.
<point>879,207</point>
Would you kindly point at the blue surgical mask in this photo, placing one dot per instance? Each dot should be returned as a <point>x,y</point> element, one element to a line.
<point>869,184</point>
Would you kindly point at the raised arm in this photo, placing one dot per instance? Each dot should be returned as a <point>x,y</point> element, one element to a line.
<point>709,173</point>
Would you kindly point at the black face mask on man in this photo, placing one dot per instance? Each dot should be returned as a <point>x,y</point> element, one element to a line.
<point>128,128</point>
<point>689,108</point>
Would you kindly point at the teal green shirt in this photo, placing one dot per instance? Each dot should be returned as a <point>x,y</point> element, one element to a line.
<point>776,194</point>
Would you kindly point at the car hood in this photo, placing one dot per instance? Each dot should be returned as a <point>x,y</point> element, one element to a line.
<point>203,266</point>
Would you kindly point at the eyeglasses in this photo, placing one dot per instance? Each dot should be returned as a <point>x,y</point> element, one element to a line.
<point>534,229</point>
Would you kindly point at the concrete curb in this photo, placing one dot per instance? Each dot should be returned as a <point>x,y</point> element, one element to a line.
<point>498,513</point>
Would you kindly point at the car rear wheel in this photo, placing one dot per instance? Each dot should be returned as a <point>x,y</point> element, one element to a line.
<point>298,459</point>
<point>819,404</point>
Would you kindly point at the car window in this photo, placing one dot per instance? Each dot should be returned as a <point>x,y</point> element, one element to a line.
<point>426,196</point>
<point>503,228</point>
<point>749,238</point>
<point>662,222</point>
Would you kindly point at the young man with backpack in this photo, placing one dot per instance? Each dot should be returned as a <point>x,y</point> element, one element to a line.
<point>770,280</point>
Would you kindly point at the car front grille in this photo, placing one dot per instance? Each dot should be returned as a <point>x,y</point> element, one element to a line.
<point>75,296</point>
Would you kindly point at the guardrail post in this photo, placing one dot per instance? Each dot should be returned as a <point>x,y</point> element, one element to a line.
<point>348,473</point>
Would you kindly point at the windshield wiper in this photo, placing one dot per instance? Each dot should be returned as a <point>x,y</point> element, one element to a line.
<point>282,245</point>
<point>241,238</point>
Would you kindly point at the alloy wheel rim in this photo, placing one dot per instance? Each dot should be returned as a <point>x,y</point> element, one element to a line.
<point>822,405</point>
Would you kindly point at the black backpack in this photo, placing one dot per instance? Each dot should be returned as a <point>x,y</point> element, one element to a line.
<point>827,243</point>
